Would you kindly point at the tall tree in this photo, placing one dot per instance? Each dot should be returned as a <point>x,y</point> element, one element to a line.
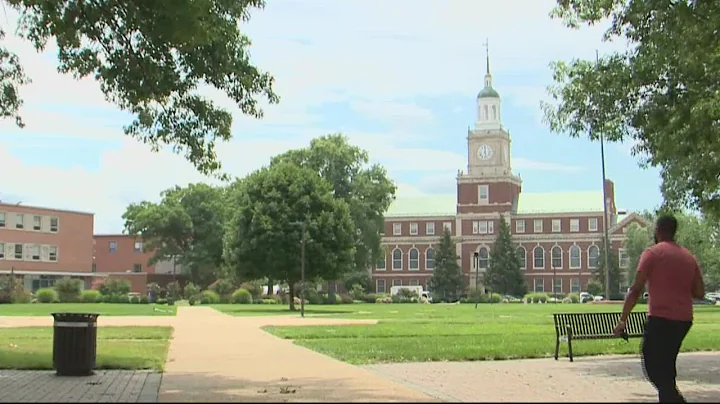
<point>188,224</point>
<point>447,280</point>
<point>264,237</point>
<point>365,188</point>
<point>615,274</point>
<point>660,93</point>
<point>637,239</point>
<point>503,274</point>
<point>149,57</point>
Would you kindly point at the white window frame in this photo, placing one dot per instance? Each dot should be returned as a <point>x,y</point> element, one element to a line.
<point>2,251</point>
<point>37,222</point>
<point>483,189</point>
<point>556,225</point>
<point>397,282</point>
<point>15,252</point>
<point>537,226</point>
<point>592,224</point>
<point>553,256</point>
<point>475,227</point>
<point>379,282</point>
<point>623,253</point>
<point>523,261</point>
<point>574,225</point>
<point>54,228</point>
<point>393,259</point>
<point>543,257</point>
<point>413,282</point>
<point>574,285</point>
<point>397,229</point>
<point>576,248</point>
<point>33,250</point>
<point>589,264</point>
<point>427,260</point>
<point>536,284</point>
<point>384,263</point>
<point>519,226</point>
<point>555,286</point>
<point>53,250</point>
<point>3,219</point>
<point>19,221</point>
<point>483,227</point>
<point>491,227</point>
<point>483,263</point>
<point>448,226</point>
<point>138,247</point>
<point>413,229</point>
<point>430,228</point>
<point>414,261</point>
<point>112,246</point>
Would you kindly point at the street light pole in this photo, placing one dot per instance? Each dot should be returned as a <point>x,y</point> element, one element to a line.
<point>302,225</point>
<point>476,259</point>
<point>552,265</point>
<point>606,241</point>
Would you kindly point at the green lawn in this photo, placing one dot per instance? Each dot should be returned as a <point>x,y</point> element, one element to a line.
<point>118,347</point>
<point>415,332</point>
<point>104,309</point>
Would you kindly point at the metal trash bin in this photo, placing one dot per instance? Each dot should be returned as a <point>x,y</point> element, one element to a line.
<point>74,343</point>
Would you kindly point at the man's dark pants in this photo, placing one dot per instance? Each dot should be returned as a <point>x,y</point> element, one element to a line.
<point>660,347</point>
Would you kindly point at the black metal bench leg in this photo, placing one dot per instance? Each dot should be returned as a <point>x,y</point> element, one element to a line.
<point>557,347</point>
<point>570,348</point>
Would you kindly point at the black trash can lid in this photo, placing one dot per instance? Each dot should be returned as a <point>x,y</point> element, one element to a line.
<point>76,317</point>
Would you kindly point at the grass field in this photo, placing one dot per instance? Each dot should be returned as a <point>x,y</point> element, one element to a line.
<point>118,347</point>
<point>415,332</point>
<point>104,309</point>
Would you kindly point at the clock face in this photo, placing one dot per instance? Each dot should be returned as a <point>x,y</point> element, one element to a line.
<point>485,152</point>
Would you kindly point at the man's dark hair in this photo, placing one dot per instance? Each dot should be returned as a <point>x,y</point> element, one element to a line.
<point>667,226</point>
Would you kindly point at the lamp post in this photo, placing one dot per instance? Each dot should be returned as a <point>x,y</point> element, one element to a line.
<point>476,260</point>
<point>554,270</point>
<point>302,267</point>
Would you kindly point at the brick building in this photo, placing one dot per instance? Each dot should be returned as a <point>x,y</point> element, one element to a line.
<point>558,235</point>
<point>42,245</point>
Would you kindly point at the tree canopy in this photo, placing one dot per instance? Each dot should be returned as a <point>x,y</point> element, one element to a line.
<point>661,93</point>
<point>504,275</point>
<point>617,279</point>
<point>150,58</point>
<point>264,237</point>
<point>447,281</point>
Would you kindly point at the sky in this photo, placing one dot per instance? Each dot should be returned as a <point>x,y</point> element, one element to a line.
<point>399,78</point>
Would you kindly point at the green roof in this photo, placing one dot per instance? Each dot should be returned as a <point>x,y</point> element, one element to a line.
<point>488,92</point>
<point>446,205</point>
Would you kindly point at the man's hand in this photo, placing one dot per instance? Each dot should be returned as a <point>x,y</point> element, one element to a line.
<point>619,328</point>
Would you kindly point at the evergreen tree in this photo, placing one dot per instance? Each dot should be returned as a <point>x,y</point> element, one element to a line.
<point>616,276</point>
<point>447,280</point>
<point>503,274</point>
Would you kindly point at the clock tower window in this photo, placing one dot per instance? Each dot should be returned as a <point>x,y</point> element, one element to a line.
<point>483,194</point>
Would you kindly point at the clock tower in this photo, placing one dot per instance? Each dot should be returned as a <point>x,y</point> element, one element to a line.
<point>489,184</point>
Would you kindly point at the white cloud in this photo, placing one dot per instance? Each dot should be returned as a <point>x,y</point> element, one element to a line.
<point>320,52</point>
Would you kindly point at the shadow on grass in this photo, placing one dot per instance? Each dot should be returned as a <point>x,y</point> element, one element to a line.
<point>206,387</point>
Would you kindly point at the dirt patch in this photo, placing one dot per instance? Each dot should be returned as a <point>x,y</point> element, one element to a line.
<point>589,379</point>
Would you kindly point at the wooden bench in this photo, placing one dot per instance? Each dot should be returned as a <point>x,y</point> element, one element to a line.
<point>575,326</point>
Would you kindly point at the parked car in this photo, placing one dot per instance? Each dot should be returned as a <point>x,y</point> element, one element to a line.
<point>598,298</point>
<point>511,299</point>
<point>713,296</point>
<point>586,297</point>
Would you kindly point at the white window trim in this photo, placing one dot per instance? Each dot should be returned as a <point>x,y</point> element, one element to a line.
<point>491,227</point>
<point>410,260</point>
<point>533,257</point>
<point>523,264</point>
<point>570,261</point>
<point>622,251</point>
<point>579,288</point>
<point>557,222</point>
<point>535,227</point>
<point>593,220</point>
<point>39,224</point>
<point>426,258</point>
<point>400,283</point>
<point>413,229</point>
<point>57,227</point>
<point>397,229</point>
<point>377,286</point>
<point>535,284</point>
<point>3,222</point>
<point>576,227</point>
<point>561,257</point>
<point>487,260</point>
<point>475,227</point>
<point>486,189</point>
<point>561,284</point>
<point>588,257</point>
<point>57,253</point>
<point>448,226</point>
<point>430,228</point>
<point>393,259</point>
<point>483,224</point>
<point>519,226</point>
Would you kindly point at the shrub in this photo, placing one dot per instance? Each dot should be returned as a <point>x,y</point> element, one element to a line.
<point>144,300</point>
<point>209,297</point>
<point>105,298</point>
<point>114,286</point>
<point>47,295</point>
<point>268,301</point>
<point>536,298</point>
<point>573,297</point>
<point>191,290</point>
<point>385,299</point>
<point>494,298</point>
<point>161,301</point>
<point>119,298</point>
<point>242,296</point>
<point>370,298</point>
<point>332,298</point>
<point>68,289</point>
<point>223,287</point>
<point>134,299</point>
<point>90,296</point>
<point>9,286</point>
<point>357,292</point>
<point>154,290</point>
<point>173,290</point>
<point>170,301</point>
<point>275,298</point>
<point>296,300</point>
<point>254,289</point>
<point>346,299</point>
<point>313,297</point>
<point>21,297</point>
<point>191,301</point>
<point>594,288</point>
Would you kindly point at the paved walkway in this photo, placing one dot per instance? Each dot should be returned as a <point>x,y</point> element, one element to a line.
<point>216,357</point>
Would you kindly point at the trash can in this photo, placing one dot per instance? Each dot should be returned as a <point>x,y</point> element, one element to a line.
<point>74,343</point>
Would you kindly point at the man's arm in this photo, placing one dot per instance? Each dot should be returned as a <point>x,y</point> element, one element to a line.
<point>643,269</point>
<point>698,288</point>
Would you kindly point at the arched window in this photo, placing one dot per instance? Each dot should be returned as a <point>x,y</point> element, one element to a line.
<point>397,259</point>
<point>485,111</point>
<point>522,256</point>
<point>483,258</point>
<point>494,113</point>
<point>430,258</point>
<point>593,256</point>
<point>538,258</point>
<point>414,255</point>
<point>556,254</point>
<point>575,256</point>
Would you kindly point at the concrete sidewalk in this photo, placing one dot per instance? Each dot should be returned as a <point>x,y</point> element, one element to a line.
<point>216,357</point>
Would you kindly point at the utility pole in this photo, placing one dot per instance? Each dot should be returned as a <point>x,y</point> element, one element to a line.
<point>606,242</point>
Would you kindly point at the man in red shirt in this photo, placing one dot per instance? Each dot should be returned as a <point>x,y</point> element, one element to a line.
<point>673,280</point>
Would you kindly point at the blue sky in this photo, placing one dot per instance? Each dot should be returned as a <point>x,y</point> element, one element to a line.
<point>399,78</point>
